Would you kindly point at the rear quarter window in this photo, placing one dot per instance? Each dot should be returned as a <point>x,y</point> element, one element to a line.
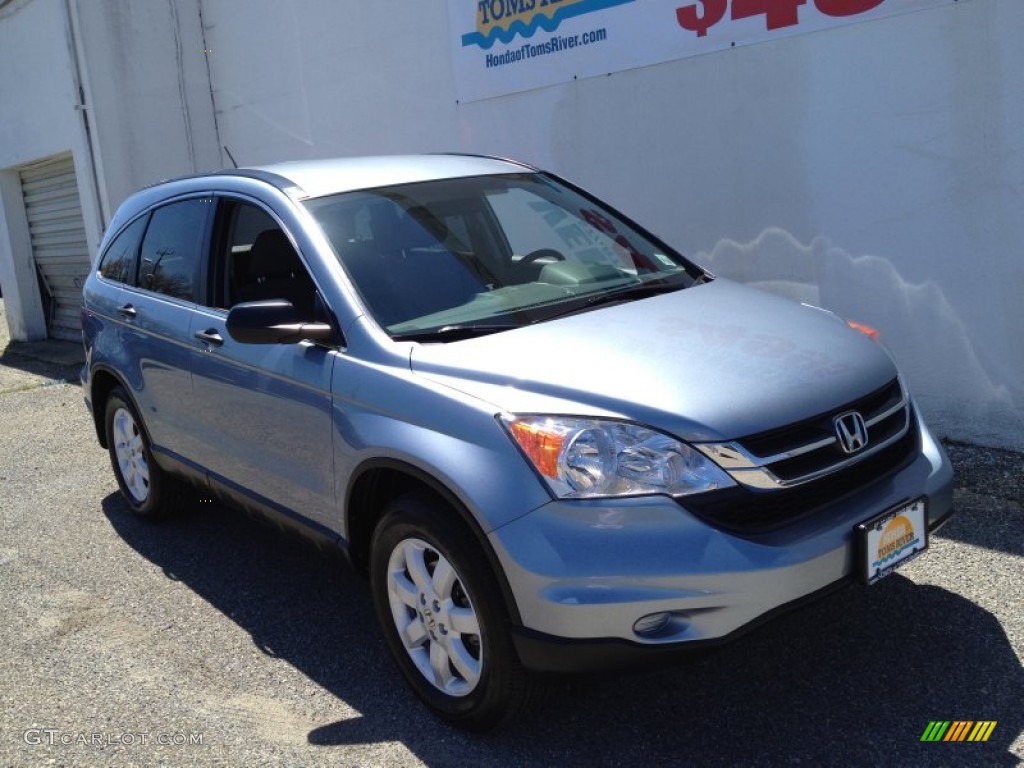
<point>119,260</point>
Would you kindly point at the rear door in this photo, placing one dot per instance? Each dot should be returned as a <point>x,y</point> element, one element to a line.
<point>154,310</point>
<point>262,412</point>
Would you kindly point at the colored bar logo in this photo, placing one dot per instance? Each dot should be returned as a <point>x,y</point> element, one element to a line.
<point>503,20</point>
<point>958,730</point>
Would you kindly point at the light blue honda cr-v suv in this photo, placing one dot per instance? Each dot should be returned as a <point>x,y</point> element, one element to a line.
<point>551,441</point>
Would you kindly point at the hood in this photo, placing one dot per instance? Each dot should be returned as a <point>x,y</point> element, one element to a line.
<point>713,362</point>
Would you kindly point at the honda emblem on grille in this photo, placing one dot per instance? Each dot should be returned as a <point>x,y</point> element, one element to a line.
<point>851,431</point>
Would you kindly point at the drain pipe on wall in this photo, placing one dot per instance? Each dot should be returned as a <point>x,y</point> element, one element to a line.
<point>209,80</point>
<point>99,205</point>
<point>179,67</point>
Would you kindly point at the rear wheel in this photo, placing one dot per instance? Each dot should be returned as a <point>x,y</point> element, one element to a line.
<point>149,491</point>
<point>443,616</point>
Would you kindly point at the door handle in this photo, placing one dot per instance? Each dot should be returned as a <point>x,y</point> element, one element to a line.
<point>127,310</point>
<point>210,336</point>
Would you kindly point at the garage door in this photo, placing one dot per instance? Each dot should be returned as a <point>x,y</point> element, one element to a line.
<point>59,247</point>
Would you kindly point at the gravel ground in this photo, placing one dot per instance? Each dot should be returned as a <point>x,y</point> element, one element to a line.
<point>118,636</point>
<point>988,471</point>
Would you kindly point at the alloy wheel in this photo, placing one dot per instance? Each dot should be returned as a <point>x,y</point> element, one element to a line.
<point>435,617</point>
<point>130,449</point>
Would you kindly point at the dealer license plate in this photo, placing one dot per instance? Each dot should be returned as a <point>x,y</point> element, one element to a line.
<point>891,539</point>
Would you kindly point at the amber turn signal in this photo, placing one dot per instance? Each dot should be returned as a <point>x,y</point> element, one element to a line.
<point>867,330</point>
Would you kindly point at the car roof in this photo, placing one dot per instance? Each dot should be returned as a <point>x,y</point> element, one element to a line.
<point>315,178</point>
<point>304,179</point>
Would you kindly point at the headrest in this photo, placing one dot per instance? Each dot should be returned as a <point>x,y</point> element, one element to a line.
<point>272,255</point>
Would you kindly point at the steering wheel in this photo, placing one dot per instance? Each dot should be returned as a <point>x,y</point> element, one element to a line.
<point>540,253</point>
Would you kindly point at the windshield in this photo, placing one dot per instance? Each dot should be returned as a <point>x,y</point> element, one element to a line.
<point>489,253</point>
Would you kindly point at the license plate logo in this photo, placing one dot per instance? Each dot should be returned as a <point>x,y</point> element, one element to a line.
<point>892,539</point>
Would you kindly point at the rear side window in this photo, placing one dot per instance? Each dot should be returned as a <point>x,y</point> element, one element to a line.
<point>118,261</point>
<point>171,248</point>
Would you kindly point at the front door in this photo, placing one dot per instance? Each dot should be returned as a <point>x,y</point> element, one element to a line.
<point>264,410</point>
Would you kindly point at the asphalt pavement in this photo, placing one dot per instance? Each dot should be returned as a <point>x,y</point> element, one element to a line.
<point>214,639</point>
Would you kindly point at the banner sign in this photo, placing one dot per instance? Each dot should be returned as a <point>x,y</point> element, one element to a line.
<point>505,46</point>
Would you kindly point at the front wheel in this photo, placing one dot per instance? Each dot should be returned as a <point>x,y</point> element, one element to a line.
<point>443,616</point>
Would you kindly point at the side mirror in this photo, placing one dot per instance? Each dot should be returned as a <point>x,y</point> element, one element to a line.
<point>274,322</point>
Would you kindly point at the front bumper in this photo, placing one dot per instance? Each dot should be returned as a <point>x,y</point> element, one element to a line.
<point>583,573</point>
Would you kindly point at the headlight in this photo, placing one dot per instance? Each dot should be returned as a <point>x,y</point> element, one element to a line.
<point>587,458</point>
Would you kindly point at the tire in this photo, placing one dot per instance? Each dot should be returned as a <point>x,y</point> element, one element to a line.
<point>150,492</point>
<point>443,616</point>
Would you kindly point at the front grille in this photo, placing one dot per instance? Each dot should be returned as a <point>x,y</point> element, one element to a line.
<point>810,449</point>
<point>791,436</point>
<point>746,510</point>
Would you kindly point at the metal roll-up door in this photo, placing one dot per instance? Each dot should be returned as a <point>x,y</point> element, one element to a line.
<point>59,247</point>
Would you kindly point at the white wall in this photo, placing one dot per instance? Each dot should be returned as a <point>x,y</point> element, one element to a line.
<point>144,66</point>
<point>37,120</point>
<point>123,86</point>
<point>877,168</point>
<point>313,78</point>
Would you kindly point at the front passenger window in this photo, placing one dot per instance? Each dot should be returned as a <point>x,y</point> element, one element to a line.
<point>257,260</point>
<point>170,250</point>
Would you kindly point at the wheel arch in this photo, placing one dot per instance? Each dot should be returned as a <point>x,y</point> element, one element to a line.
<point>102,381</point>
<point>376,482</point>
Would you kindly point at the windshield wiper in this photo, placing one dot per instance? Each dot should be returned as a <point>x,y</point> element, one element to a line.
<point>458,331</point>
<point>455,332</point>
<point>621,296</point>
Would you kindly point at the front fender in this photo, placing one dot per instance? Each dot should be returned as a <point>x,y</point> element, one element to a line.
<point>387,414</point>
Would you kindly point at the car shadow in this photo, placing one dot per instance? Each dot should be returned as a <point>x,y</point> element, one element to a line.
<point>853,680</point>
